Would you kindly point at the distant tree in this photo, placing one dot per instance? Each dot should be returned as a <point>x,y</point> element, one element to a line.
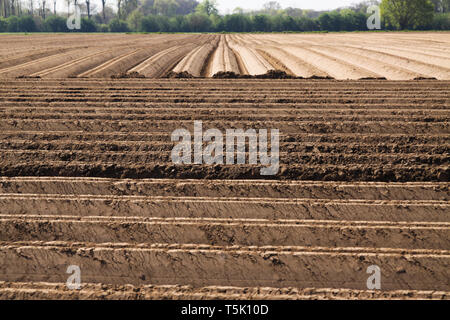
<point>134,20</point>
<point>217,23</point>
<point>165,7</point>
<point>20,7</point>
<point>103,28</point>
<point>407,14</point>
<point>13,9</point>
<point>88,8</point>
<point>281,23</point>
<point>128,6</point>
<point>3,25</point>
<point>43,8</point>
<point>203,16</point>
<point>26,24</point>
<point>163,23</point>
<point>262,23</point>
<point>87,25</point>
<point>171,24</point>
<point>272,7</point>
<point>103,10</point>
<point>336,21</point>
<point>330,21</point>
<point>109,14</point>
<point>294,12</point>
<point>7,8</point>
<point>207,7</point>
<point>149,24</point>
<point>362,6</point>
<point>288,23</point>
<point>186,7</point>
<point>437,5</point>
<point>119,9</point>
<point>4,8</point>
<point>199,23</point>
<point>31,7</point>
<point>325,21</point>
<point>174,23</point>
<point>55,24</point>
<point>117,25</point>
<point>351,20</point>
<point>441,21</point>
<point>13,24</point>
<point>237,23</point>
<point>441,6</point>
<point>307,24</point>
<point>68,6</point>
<point>147,7</point>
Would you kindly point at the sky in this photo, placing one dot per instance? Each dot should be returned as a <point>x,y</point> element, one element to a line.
<point>227,6</point>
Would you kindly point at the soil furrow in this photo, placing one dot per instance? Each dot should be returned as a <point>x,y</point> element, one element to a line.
<point>235,266</point>
<point>225,232</point>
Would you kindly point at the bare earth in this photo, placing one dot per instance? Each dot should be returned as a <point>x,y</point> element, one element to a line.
<point>394,56</point>
<point>86,176</point>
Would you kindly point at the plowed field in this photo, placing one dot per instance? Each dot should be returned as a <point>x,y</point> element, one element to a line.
<point>87,179</point>
<point>394,56</point>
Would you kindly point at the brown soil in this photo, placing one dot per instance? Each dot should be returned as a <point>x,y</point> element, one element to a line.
<point>128,75</point>
<point>86,176</point>
<point>179,75</point>
<point>392,56</point>
<point>271,74</point>
<point>59,291</point>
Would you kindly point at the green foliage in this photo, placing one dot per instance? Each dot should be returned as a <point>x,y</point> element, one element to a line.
<point>55,24</point>
<point>117,25</point>
<point>283,23</point>
<point>352,21</point>
<point>27,24</point>
<point>186,7</point>
<point>88,25</point>
<point>307,24</point>
<point>3,25</point>
<point>262,23</point>
<point>198,22</point>
<point>165,7</point>
<point>217,23</point>
<point>128,6</point>
<point>441,21</point>
<point>272,7</point>
<point>103,28</point>
<point>164,23</point>
<point>207,7</point>
<point>13,24</point>
<point>134,20</point>
<point>149,24</point>
<point>237,23</point>
<point>330,21</point>
<point>178,23</point>
<point>441,6</point>
<point>407,14</point>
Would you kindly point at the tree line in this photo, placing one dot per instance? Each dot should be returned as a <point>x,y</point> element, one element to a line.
<point>195,16</point>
